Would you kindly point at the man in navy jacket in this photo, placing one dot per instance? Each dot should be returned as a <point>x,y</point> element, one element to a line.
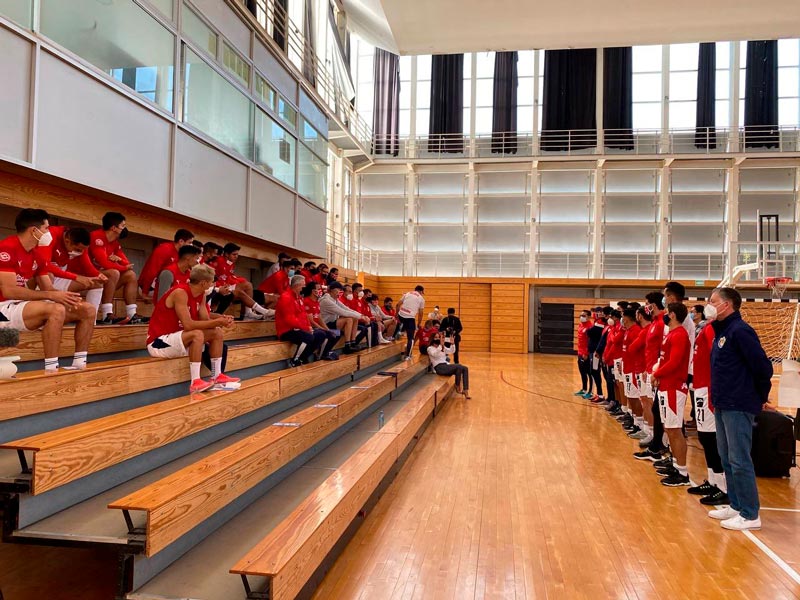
<point>740,382</point>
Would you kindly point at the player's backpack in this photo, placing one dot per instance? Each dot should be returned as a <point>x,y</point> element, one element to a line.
<point>773,449</point>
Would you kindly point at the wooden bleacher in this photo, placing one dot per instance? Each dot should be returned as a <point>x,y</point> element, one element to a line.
<point>290,554</point>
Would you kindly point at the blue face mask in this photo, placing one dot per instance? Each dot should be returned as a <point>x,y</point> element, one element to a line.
<point>664,302</point>
<point>291,272</point>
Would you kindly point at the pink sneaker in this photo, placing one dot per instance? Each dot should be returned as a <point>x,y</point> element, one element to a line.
<point>223,382</point>
<point>199,385</point>
<point>222,378</point>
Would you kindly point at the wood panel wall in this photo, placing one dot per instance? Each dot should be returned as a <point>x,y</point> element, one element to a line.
<point>509,317</point>
<point>475,301</point>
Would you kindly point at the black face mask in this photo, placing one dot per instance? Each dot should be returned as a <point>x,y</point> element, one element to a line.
<point>666,320</point>
<point>123,233</point>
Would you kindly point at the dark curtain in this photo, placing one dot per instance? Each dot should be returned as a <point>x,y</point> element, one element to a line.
<point>569,121</point>
<point>386,106</point>
<point>447,104</point>
<point>618,97</point>
<point>280,17</point>
<point>705,135</point>
<point>504,114</point>
<point>309,51</point>
<point>761,95</point>
<point>252,6</point>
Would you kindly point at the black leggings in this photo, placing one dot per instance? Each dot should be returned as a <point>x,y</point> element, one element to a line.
<point>708,439</point>
<point>658,427</point>
<point>410,327</point>
<point>585,369</point>
<point>608,373</point>
<point>597,376</point>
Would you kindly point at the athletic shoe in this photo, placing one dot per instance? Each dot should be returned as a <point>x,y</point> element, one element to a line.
<point>644,443</point>
<point>587,395</point>
<point>638,435</point>
<point>294,362</point>
<point>330,356</point>
<point>739,523</point>
<point>719,498</point>
<point>663,463</point>
<point>721,514</point>
<point>630,427</point>
<point>134,319</point>
<point>107,320</point>
<point>704,489</point>
<point>199,385</point>
<point>597,399</point>
<point>667,471</point>
<point>622,415</point>
<point>616,412</point>
<point>226,383</point>
<point>676,480</point>
<point>349,350</point>
<point>579,393</point>
<point>646,455</point>
<point>253,317</point>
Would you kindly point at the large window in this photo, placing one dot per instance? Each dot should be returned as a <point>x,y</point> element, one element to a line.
<point>313,176</point>
<point>275,149</point>
<point>197,31</point>
<point>216,107</point>
<point>119,38</point>
<point>19,11</point>
<point>484,96</point>
<point>788,82</point>
<point>405,95</point>
<point>683,85</point>
<point>525,72</point>
<point>647,89</point>
<point>423,94</point>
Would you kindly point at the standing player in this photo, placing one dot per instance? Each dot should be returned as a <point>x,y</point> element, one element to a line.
<point>408,311</point>
<point>181,326</point>
<point>652,352</point>
<point>670,378</point>
<point>25,309</point>
<point>584,364</point>
<point>108,257</point>
<point>632,363</point>
<point>164,255</point>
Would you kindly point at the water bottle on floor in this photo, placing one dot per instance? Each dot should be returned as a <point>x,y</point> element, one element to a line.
<point>381,419</point>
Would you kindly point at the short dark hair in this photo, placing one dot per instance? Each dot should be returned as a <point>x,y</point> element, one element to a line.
<point>198,244</point>
<point>622,304</point>
<point>586,311</point>
<point>188,250</point>
<point>673,287</point>
<point>607,310</point>
<point>210,246</point>
<point>308,289</point>
<point>333,270</point>
<point>295,263</point>
<point>230,247</point>
<point>451,311</point>
<point>308,264</point>
<point>679,309</point>
<point>634,305</point>
<point>644,314</point>
<point>435,342</point>
<point>30,217</point>
<point>78,235</point>
<point>419,288</point>
<point>112,219</point>
<point>436,322</point>
<point>630,313</point>
<point>387,299</point>
<point>729,294</point>
<point>335,285</point>
<point>321,266</point>
<point>283,255</point>
<point>617,314</point>
<point>356,285</point>
<point>656,298</point>
<point>698,308</point>
<point>182,235</point>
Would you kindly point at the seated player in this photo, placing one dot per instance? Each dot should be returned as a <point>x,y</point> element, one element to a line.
<point>333,275</point>
<point>670,377</point>
<point>176,273</point>
<point>277,283</point>
<point>386,323</point>
<point>276,266</point>
<point>69,265</point>
<point>321,276</point>
<point>425,334</point>
<point>26,309</point>
<point>366,328</point>
<point>108,257</point>
<point>292,325</point>
<point>337,315</point>
<point>181,326</point>
<point>438,357</point>
<point>164,255</point>
<point>211,251</point>
<point>308,271</point>
<point>309,294</point>
<point>230,287</point>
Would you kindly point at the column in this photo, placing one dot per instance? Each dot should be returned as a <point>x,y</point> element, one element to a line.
<point>597,220</point>
<point>469,258</point>
<point>533,239</point>
<point>663,221</point>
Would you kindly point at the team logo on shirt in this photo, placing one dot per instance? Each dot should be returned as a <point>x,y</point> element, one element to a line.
<point>98,242</point>
<point>5,256</point>
<point>721,342</point>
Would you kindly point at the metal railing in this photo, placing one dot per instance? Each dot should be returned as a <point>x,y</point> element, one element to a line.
<point>713,140</point>
<point>339,251</point>
<point>632,265</point>
<point>765,259</point>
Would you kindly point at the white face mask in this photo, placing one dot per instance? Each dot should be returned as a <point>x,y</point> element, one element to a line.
<point>74,253</point>
<point>230,262</point>
<point>209,290</point>
<point>584,319</point>
<point>611,321</point>
<point>360,294</point>
<point>710,312</point>
<point>46,239</point>
<point>349,296</point>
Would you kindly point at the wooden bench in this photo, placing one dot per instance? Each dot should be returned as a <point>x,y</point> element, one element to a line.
<point>34,392</point>
<point>290,554</point>
<point>185,498</point>
<point>121,338</point>
<point>67,454</point>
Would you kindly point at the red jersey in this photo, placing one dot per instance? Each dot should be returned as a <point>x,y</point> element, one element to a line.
<point>390,311</point>
<point>359,305</point>
<point>702,358</point>
<point>58,260</point>
<point>673,370</point>
<point>277,283</point>
<point>311,306</point>
<point>165,320</point>
<point>583,338</point>
<point>320,279</point>
<point>290,314</point>
<point>15,259</point>
<point>100,249</point>
<point>652,344</point>
<point>632,346</point>
<point>178,277</point>
<point>614,342</point>
<point>224,270</point>
<point>164,255</point>
<point>307,274</point>
<point>425,334</point>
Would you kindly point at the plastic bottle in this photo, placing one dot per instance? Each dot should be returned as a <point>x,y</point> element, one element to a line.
<point>381,419</point>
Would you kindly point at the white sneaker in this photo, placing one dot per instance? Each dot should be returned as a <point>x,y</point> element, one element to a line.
<point>723,514</point>
<point>739,523</point>
<point>251,316</point>
<point>383,340</point>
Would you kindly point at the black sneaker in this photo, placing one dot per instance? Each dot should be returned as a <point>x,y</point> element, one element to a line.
<point>330,356</point>
<point>646,455</point>
<point>612,407</point>
<point>716,499</point>
<point>667,471</point>
<point>664,462</point>
<point>704,489</point>
<point>107,320</point>
<point>616,412</point>
<point>294,362</point>
<point>348,349</point>
<point>633,431</point>
<point>630,427</point>
<point>676,480</point>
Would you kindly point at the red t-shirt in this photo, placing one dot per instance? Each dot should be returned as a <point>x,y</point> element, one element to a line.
<point>652,344</point>
<point>311,306</point>
<point>614,343</point>
<point>425,334</point>
<point>583,338</point>
<point>59,262</point>
<point>277,283</point>
<point>307,274</point>
<point>178,277</point>
<point>632,356</point>
<point>164,255</point>
<point>702,358</point>
<point>15,259</point>
<point>359,305</point>
<point>290,314</point>
<point>165,320</point>
<point>100,249</point>
<point>224,270</point>
<point>390,311</point>
<point>673,370</point>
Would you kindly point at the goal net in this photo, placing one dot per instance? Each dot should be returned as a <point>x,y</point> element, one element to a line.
<point>776,324</point>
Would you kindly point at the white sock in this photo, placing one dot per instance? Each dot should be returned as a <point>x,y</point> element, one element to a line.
<point>259,309</point>
<point>51,364</point>
<point>721,482</point>
<point>93,297</point>
<point>710,477</point>
<point>106,309</point>
<point>216,367</point>
<point>194,370</point>
<point>79,360</point>
<point>130,310</point>
<point>681,469</point>
<point>638,421</point>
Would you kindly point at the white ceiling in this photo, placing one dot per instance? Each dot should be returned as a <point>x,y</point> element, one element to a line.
<point>447,26</point>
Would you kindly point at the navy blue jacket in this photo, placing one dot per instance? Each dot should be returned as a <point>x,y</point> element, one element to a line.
<point>594,334</point>
<point>740,369</point>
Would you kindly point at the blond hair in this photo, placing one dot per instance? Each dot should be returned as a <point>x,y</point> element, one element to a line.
<point>201,273</point>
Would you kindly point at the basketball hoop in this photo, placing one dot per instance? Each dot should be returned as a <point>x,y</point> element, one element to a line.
<point>778,285</point>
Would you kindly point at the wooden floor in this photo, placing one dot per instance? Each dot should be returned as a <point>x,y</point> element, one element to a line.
<point>528,492</point>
